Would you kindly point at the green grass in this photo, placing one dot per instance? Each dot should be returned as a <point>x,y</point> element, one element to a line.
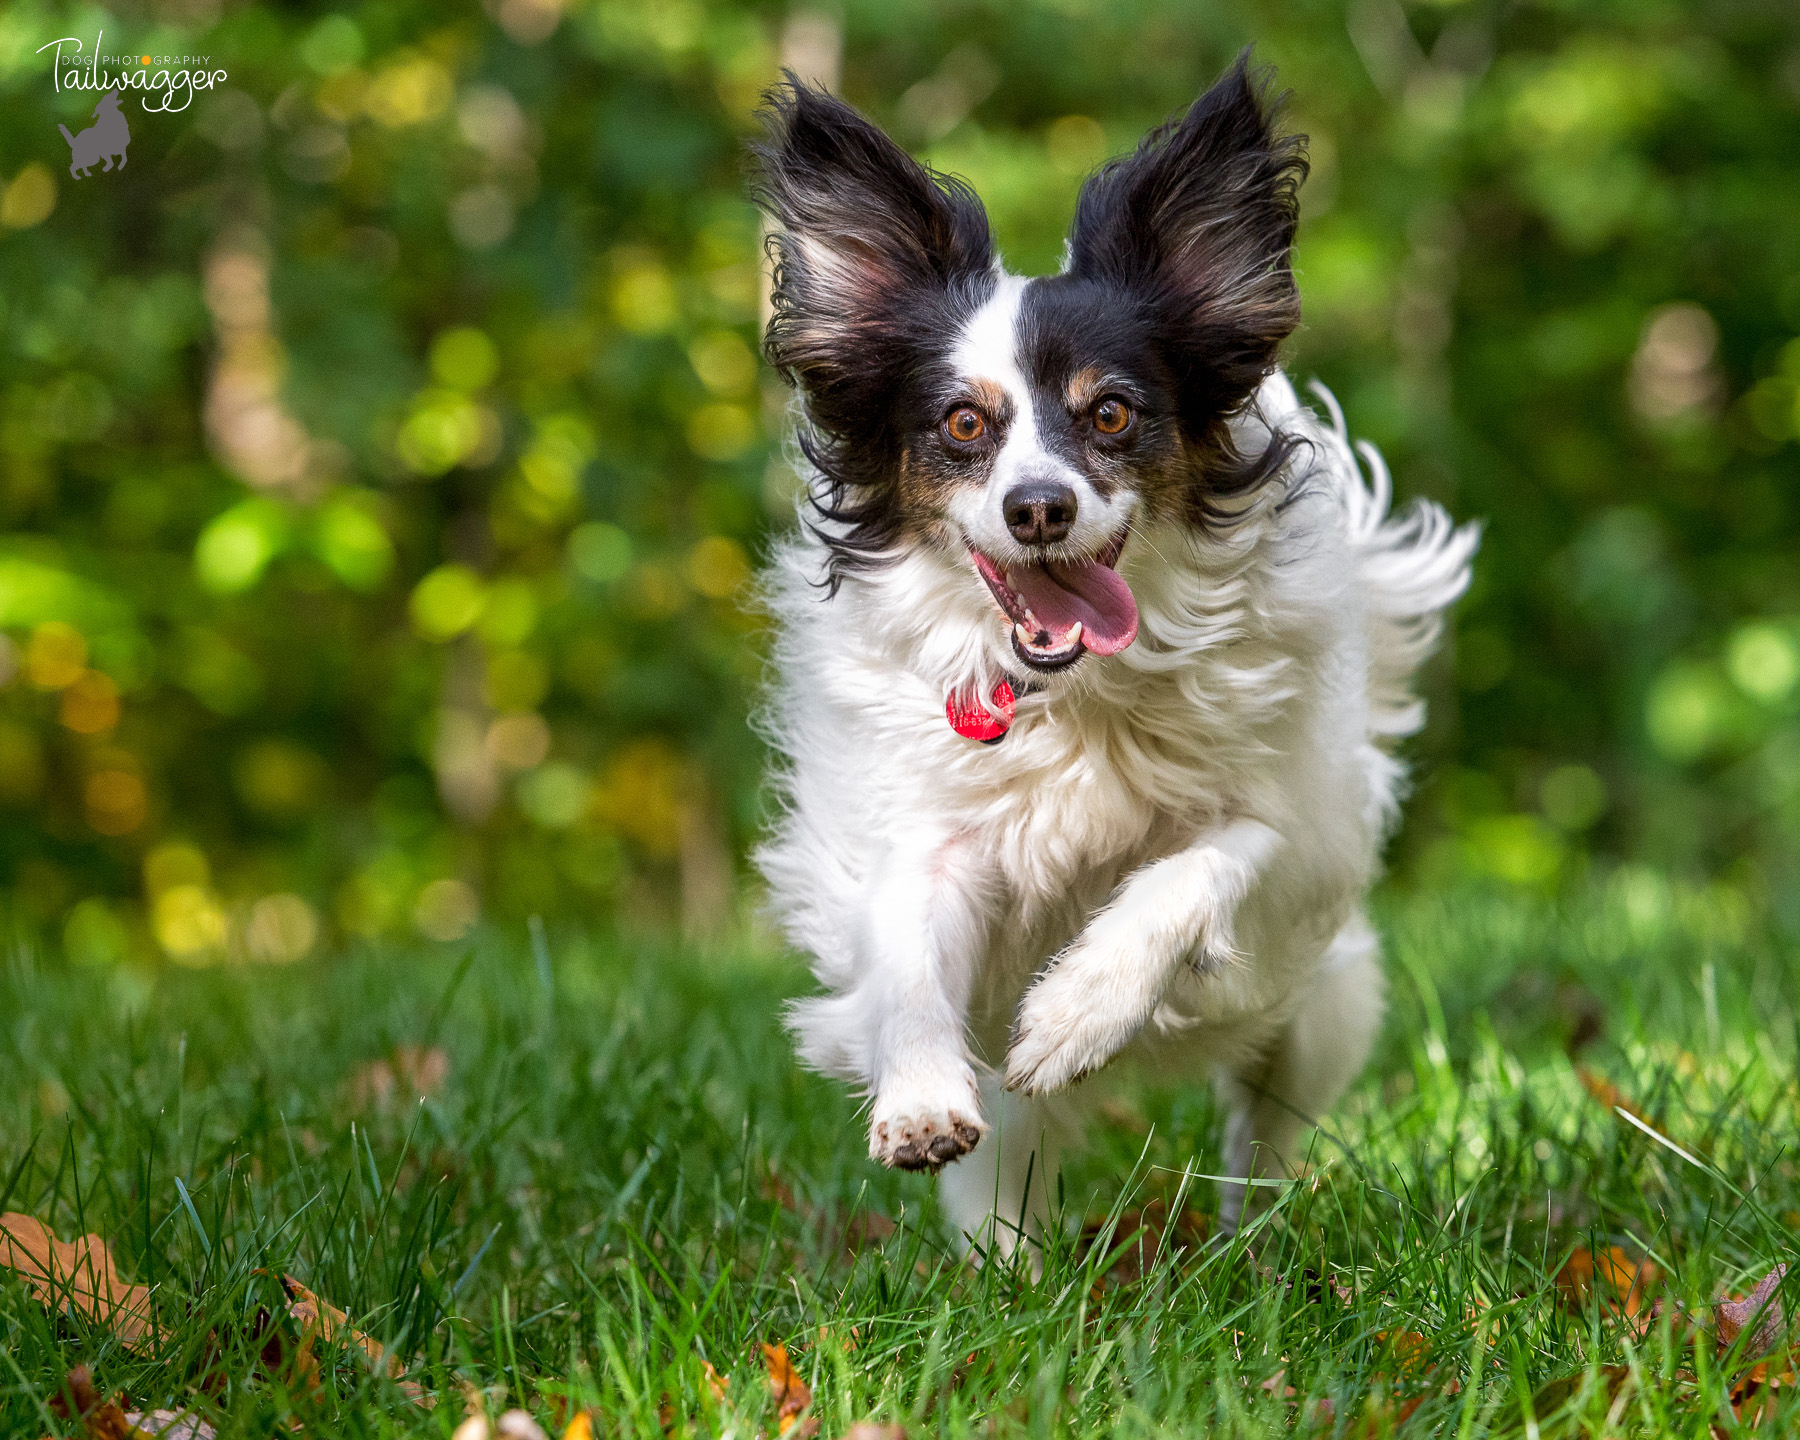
<point>626,1177</point>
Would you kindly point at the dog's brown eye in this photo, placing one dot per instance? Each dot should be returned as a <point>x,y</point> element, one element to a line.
<point>964,424</point>
<point>1111,416</point>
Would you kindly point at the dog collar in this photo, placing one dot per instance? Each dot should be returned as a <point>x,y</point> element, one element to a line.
<point>975,721</point>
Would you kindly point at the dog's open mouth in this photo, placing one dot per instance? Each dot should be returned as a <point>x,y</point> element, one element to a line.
<point>1061,609</point>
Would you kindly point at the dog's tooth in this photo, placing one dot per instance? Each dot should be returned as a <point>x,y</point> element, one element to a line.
<point>1074,637</point>
<point>1023,634</point>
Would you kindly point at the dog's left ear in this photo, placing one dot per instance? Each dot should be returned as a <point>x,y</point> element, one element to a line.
<point>1201,220</point>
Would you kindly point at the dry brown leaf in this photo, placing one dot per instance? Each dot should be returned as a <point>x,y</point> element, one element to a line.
<point>103,1419</point>
<point>411,1070</point>
<point>1623,1284</point>
<point>320,1320</point>
<point>1762,1308</point>
<point>1756,1393</point>
<point>715,1382</point>
<point>792,1395</point>
<point>1141,1235</point>
<point>1410,1351</point>
<point>79,1273</point>
<point>170,1425</point>
<point>1607,1093</point>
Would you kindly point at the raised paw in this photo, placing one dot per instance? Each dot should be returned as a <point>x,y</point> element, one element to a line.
<point>922,1137</point>
<point>1068,1028</point>
<point>1049,1052</point>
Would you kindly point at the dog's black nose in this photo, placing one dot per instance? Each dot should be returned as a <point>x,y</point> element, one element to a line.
<point>1039,512</point>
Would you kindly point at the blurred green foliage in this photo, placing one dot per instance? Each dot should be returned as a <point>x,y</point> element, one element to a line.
<point>384,451</point>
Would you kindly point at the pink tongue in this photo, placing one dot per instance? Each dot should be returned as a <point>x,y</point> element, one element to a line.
<point>1095,594</point>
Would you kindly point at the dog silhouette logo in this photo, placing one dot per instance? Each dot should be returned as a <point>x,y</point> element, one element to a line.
<point>105,139</point>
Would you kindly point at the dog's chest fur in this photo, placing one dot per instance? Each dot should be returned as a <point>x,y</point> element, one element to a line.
<point>1234,704</point>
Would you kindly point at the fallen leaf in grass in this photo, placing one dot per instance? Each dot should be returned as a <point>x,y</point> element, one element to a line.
<point>1410,1350</point>
<point>1755,1393</point>
<point>1622,1283</point>
<point>1762,1308</point>
<point>410,1070</point>
<point>320,1320</point>
<point>79,1273</point>
<point>581,1427</point>
<point>873,1430</point>
<point>1140,1236</point>
<point>791,1393</point>
<point>170,1425</point>
<point>715,1382</point>
<point>1607,1093</point>
<point>1277,1384</point>
<point>103,1419</point>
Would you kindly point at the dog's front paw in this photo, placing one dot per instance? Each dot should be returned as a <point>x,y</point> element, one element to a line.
<point>1074,1020</point>
<point>1052,1049</point>
<point>910,1130</point>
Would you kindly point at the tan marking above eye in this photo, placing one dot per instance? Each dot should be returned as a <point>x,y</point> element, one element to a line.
<point>1111,415</point>
<point>964,424</point>
<point>1083,387</point>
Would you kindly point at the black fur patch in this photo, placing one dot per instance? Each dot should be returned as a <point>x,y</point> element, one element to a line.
<point>879,263</point>
<point>1189,239</point>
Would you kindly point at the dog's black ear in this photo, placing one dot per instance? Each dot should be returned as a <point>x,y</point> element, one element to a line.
<point>861,230</point>
<point>1201,219</point>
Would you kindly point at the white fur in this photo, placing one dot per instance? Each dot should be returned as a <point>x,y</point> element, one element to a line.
<point>988,350</point>
<point>1165,859</point>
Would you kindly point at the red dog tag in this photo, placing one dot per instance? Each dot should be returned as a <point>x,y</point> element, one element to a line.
<point>971,718</point>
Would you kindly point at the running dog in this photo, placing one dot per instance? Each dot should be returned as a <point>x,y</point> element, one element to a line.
<point>1093,650</point>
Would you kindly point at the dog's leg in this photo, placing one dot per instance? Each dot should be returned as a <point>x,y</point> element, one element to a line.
<point>1100,991</point>
<point>896,1020</point>
<point>927,925</point>
<point>1322,1049</point>
<point>999,1198</point>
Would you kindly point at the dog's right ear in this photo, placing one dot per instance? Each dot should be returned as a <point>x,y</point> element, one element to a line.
<point>861,229</point>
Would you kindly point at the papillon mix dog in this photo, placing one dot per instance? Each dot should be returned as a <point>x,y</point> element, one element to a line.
<point>1093,647</point>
